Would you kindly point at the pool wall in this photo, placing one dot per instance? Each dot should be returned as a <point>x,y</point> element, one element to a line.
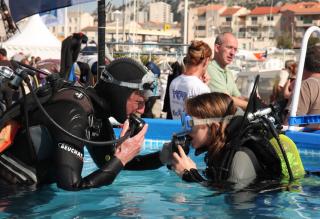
<point>161,131</point>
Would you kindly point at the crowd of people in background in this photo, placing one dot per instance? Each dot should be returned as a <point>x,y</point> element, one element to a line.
<point>9,95</point>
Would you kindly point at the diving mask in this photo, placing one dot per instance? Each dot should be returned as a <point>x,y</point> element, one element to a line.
<point>188,122</point>
<point>148,84</point>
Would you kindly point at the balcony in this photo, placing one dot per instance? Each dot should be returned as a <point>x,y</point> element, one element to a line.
<point>253,34</point>
<point>226,24</point>
<point>200,33</point>
<point>241,34</point>
<point>200,23</point>
<point>304,23</point>
<point>253,23</point>
<point>269,24</point>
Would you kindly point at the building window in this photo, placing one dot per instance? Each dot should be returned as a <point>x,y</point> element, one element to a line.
<point>307,20</point>
<point>228,19</point>
<point>203,16</point>
<point>254,20</point>
<point>201,28</point>
<point>270,18</point>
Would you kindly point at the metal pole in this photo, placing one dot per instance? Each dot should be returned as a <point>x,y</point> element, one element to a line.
<point>124,10</point>
<point>292,41</point>
<point>66,23</point>
<point>185,25</point>
<point>117,32</point>
<point>101,35</point>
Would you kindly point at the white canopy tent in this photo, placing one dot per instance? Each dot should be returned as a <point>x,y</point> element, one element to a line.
<point>34,39</point>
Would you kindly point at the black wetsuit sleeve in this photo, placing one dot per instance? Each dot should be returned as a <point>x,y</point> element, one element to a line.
<point>192,175</point>
<point>69,152</point>
<point>145,162</point>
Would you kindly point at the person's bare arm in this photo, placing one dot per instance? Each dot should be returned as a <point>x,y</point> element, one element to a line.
<point>240,102</point>
<point>287,89</point>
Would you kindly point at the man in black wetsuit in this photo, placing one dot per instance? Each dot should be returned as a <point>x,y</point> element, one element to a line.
<point>57,157</point>
<point>5,91</point>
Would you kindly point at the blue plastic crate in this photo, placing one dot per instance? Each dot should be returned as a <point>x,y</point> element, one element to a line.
<point>303,139</point>
<point>303,120</point>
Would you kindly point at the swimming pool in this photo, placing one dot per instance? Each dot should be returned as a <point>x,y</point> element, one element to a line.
<point>161,194</point>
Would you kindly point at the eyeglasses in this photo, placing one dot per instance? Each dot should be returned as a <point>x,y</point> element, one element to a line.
<point>140,103</point>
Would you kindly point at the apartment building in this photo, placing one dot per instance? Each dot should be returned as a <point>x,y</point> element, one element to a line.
<point>233,19</point>
<point>204,21</point>
<point>75,22</point>
<point>297,18</point>
<point>160,12</point>
<point>263,23</point>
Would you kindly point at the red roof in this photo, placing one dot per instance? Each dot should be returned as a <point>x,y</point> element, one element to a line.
<point>303,8</point>
<point>265,10</point>
<point>230,11</point>
<point>206,8</point>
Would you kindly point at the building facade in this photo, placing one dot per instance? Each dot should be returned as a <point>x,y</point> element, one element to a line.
<point>204,22</point>
<point>297,18</point>
<point>160,12</point>
<point>74,23</point>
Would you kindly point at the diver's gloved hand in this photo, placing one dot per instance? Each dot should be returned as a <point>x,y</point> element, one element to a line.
<point>166,153</point>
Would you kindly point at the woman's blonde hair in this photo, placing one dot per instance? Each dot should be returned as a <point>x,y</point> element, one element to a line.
<point>211,105</point>
<point>197,52</point>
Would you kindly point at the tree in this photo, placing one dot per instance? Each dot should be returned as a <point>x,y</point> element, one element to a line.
<point>284,41</point>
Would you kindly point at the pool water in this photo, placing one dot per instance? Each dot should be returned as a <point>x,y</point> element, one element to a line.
<point>161,194</point>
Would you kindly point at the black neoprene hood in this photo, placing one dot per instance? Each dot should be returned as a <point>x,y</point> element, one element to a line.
<point>122,69</point>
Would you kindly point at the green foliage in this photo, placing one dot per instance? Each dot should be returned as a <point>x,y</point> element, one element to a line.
<point>284,41</point>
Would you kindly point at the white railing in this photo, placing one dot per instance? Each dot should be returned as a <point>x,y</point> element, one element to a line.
<point>296,92</point>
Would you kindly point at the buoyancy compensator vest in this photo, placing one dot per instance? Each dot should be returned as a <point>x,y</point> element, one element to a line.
<point>254,137</point>
<point>267,158</point>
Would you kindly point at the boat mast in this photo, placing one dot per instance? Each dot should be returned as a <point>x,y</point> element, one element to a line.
<point>101,36</point>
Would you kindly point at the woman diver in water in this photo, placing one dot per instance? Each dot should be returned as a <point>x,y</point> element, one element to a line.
<point>213,125</point>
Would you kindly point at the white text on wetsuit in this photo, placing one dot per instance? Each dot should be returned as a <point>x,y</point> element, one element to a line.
<point>68,148</point>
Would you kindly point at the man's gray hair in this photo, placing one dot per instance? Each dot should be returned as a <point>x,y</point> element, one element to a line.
<point>219,38</point>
